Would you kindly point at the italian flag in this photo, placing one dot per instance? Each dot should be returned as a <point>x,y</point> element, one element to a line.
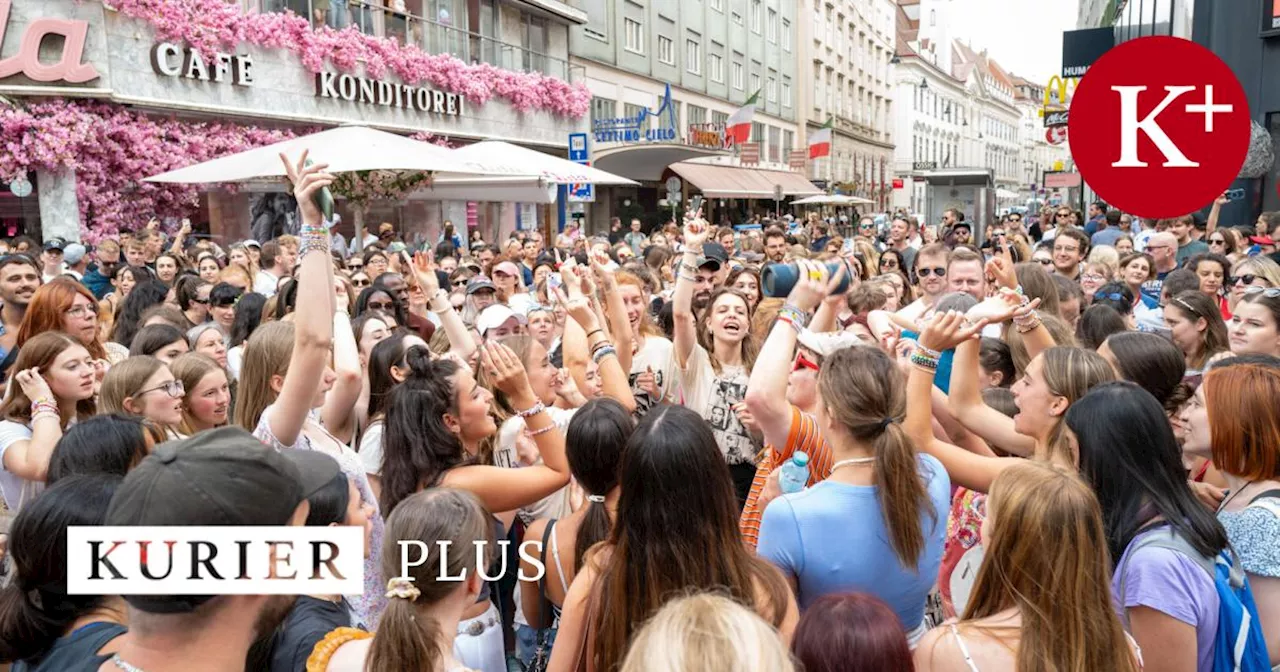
<point>739,125</point>
<point>820,141</point>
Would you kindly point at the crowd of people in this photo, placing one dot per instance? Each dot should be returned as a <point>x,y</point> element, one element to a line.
<point>1048,447</point>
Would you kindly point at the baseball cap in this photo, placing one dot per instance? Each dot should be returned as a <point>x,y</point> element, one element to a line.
<point>713,253</point>
<point>827,343</point>
<point>54,244</point>
<point>480,283</point>
<point>73,253</point>
<point>252,243</point>
<point>222,476</point>
<point>397,247</point>
<point>1261,240</point>
<point>495,316</point>
<point>508,268</point>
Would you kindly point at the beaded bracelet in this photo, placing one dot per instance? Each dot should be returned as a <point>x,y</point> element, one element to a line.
<point>544,430</point>
<point>537,408</point>
<point>1025,328</point>
<point>43,405</point>
<point>797,317</point>
<point>599,355</point>
<point>791,322</point>
<point>924,361</point>
<point>1030,317</point>
<point>932,353</point>
<point>314,240</point>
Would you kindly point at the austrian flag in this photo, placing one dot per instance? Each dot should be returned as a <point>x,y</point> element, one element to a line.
<point>739,125</point>
<point>820,141</point>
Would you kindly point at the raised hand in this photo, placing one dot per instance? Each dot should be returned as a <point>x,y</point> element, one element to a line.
<point>696,232</point>
<point>424,269</point>
<point>999,307</point>
<point>948,330</point>
<point>505,370</point>
<point>307,181</point>
<point>1001,268</point>
<point>34,385</point>
<point>575,303</point>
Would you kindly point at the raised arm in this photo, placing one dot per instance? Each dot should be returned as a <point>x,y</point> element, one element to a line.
<point>338,412</point>
<point>613,380</point>
<point>618,326</point>
<point>29,459</point>
<point>685,331</point>
<point>312,322</point>
<point>967,469</point>
<point>502,489</point>
<point>424,277</point>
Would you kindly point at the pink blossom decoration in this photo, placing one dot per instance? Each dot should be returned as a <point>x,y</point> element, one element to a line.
<point>210,26</point>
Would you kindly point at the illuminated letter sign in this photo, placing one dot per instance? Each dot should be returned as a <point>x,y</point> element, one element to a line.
<point>69,67</point>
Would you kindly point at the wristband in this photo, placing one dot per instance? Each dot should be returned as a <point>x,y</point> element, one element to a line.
<point>601,353</point>
<point>923,361</point>
<point>926,351</point>
<point>544,430</point>
<point>537,408</point>
<point>594,331</point>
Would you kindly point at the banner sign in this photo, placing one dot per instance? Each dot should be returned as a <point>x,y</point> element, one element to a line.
<point>711,136</point>
<point>632,129</point>
<point>1080,48</point>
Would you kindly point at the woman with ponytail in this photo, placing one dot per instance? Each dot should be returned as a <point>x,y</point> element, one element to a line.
<point>42,628</point>
<point>594,444</point>
<point>418,628</point>
<point>878,522</point>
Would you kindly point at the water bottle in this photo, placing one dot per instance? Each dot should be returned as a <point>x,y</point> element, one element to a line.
<point>795,473</point>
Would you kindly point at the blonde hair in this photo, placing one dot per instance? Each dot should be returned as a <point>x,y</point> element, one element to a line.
<point>266,354</point>
<point>1107,256</point>
<point>191,368</point>
<point>707,631</point>
<point>125,380</point>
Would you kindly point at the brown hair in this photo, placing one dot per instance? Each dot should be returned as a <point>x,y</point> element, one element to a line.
<point>1134,256</point>
<point>1070,373</point>
<point>1036,283</point>
<point>39,353</point>
<point>406,636</point>
<point>1244,424</point>
<point>1195,305</point>
<point>125,380</point>
<point>1047,556</point>
<point>647,327</point>
<point>191,368</point>
<point>266,354</point>
<point>865,393</point>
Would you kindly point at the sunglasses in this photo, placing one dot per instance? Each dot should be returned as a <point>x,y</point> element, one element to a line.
<point>1114,296</point>
<point>461,282</point>
<point>1246,279</point>
<point>174,388</point>
<point>803,362</point>
<point>203,302</point>
<point>1269,292</point>
<point>356,266</point>
<point>1044,262</point>
<point>1217,241</point>
<point>380,305</point>
<point>926,272</point>
<point>359,283</point>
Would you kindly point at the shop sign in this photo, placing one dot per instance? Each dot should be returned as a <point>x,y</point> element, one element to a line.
<point>1056,118</point>
<point>898,183</point>
<point>711,135</point>
<point>171,60</point>
<point>632,129</point>
<point>1080,48</point>
<point>69,66</point>
<point>367,91</point>
<point>924,165</point>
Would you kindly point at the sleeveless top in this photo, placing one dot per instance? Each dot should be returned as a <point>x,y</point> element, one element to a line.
<point>968,659</point>
<point>77,651</point>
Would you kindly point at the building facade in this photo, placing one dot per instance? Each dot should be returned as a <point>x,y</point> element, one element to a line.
<point>121,65</point>
<point>849,46</point>
<point>1036,153</point>
<point>665,75</point>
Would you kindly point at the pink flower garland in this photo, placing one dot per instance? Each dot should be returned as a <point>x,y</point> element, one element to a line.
<point>111,149</point>
<point>210,26</point>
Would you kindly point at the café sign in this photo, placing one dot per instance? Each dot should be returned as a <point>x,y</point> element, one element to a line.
<point>366,91</point>
<point>633,129</point>
<point>171,60</point>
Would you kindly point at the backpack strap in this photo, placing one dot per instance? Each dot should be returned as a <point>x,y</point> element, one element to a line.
<point>1267,501</point>
<point>1163,537</point>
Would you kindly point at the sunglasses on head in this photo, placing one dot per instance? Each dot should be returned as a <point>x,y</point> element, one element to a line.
<point>803,362</point>
<point>938,271</point>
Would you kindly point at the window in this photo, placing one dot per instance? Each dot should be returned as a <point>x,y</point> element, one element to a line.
<point>695,114</point>
<point>756,9</point>
<point>757,132</point>
<point>602,108</point>
<point>717,5</point>
<point>775,144</point>
<point>693,56</point>
<point>719,117</point>
<point>634,36</point>
<point>666,51</point>
<point>772,26</point>
<point>716,64</point>
<point>755,82</point>
<point>788,143</point>
<point>632,111</point>
<point>786,92</point>
<point>737,76</point>
<point>786,35</point>
<point>773,89</point>
<point>737,18</point>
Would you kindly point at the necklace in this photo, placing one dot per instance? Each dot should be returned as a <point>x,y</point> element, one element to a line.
<point>1223,505</point>
<point>119,662</point>
<point>852,461</point>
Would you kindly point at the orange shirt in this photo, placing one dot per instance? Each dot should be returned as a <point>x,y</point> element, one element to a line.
<point>804,435</point>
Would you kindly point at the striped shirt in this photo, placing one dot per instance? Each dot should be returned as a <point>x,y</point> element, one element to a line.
<point>804,435</point>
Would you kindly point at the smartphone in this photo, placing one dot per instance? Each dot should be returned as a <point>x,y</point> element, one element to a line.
<point>1235,195</point>
<point>554,281</point>
<point>695,204</point>
<point>324,200</point>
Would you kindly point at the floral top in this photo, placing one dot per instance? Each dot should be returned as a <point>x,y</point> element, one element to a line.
<point>1253,531</point>
<point>367,607</point>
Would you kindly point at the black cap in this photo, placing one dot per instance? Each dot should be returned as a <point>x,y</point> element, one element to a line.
<point>713,254</point>
<point>54,244</point>
<point>221,476</point>
<point>479,284</point>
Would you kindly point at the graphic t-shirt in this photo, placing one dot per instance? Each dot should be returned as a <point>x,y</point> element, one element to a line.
<point>656,354</point>
<point>713,396</point>
<point>509,453</point>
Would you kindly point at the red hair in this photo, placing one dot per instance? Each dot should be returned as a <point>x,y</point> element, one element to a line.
<point>47,307</point>
<point>851,632</point>
<point>1244,424</point>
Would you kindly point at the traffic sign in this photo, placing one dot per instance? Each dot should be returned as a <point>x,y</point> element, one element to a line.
<point>580,152</point>
<point>673,183</point>
<point>1056,135</point>
<point>777,192</point>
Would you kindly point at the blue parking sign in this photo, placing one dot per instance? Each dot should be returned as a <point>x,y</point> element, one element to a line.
<point>580,152</point>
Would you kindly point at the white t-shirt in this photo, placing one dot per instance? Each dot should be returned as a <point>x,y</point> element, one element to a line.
<point>507,454</point>
<point>266,284</point>
<point>235,359</point>
<point>658,354</point>
<point>13,485</point>
<point>371,448</point>
<point>713,396</point>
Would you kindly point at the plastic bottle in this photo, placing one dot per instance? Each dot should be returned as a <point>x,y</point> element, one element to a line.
<point>795,473</point>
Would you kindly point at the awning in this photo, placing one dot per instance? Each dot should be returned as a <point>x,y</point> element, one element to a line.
<point>716,181</point>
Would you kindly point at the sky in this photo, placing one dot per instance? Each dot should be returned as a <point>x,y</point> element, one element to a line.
<point>1024,36</point>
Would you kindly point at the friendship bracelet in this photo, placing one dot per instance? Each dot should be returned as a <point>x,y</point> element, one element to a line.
<point>594,331</point>
<point>600,354</point>
<point>537,408</point>
<point>1022,329</point>
<point>43,405</point>
<point>602,344</point>
<point>1032,316</point>
<point>925,369</point>
<point>919,359</point>
<point>799,329</point>
<point>544,430</point>
<point>932,353</point>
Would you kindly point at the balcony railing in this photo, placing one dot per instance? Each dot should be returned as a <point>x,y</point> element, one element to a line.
<point>431,36</point>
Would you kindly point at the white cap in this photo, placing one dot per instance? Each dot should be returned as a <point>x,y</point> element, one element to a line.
<point>827,343</point>
<point>495,316</point>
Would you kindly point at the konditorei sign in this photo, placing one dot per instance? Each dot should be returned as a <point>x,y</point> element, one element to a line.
<point>171,60</point>
<point>366,91</point>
